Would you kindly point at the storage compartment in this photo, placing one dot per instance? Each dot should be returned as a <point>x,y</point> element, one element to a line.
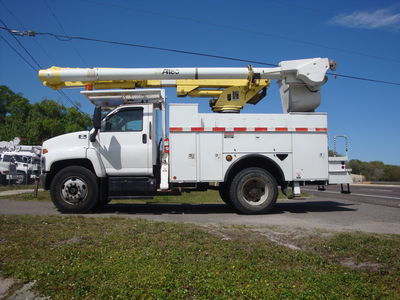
<point>183,157</point>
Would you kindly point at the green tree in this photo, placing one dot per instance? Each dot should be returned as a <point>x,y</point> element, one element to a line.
<point>375,170</point>
<point>34,123</point>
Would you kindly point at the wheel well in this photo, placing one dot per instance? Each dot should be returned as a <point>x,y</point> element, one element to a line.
<point>59,165</point>
<point>258,161</point>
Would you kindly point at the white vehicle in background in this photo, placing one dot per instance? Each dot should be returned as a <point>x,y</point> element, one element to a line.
<point>245,156</point>
<point>19,167</point>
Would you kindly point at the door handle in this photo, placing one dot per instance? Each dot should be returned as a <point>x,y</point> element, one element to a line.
<point>144,138</point>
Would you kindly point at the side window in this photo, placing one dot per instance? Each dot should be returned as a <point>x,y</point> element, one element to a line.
<point>130,119</point>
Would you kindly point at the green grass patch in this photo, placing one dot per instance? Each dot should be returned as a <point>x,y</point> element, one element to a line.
<point>113,258</point>
<point>41,196</point>
<point>361,250</point>
<point>16,187</point>
<point>209,196</point>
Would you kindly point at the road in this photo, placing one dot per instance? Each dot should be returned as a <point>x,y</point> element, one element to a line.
<point>369,209</point>
<point>387,195</point>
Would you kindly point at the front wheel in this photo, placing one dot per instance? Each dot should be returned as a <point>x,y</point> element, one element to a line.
<point>74,190</point>
<point>253,191</point>
<point>21,178</point>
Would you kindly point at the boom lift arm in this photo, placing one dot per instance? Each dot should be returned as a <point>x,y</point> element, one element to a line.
<point>230,88</point>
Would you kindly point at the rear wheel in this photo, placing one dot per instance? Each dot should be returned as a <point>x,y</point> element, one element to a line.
<point>74,190</point>
<point>253,191</point>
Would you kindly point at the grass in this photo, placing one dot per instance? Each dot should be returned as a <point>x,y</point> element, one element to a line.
<point>384,182</point>
<point>209,196</point>
<point>112,258</point>
<point>16,187</point>
<point>42,196</point>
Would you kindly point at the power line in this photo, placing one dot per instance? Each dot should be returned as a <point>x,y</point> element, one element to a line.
<point>62,93</point>
<point>22,46</point>
<point>364,79</point>
<point>63,30</point>
<point>19,54</point>
<point>22,25</point>
<point>64,37</point>
<point>241,29</point>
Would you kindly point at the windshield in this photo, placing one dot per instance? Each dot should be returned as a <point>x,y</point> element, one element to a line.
<point>17,158</point>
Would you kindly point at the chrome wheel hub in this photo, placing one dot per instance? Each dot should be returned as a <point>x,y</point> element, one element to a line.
<point>74,190</point>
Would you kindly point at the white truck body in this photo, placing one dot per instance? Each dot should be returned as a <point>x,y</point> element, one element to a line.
<point>199,143</point>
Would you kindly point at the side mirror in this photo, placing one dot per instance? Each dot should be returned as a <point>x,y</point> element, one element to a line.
<point>97,117</point>
<point>96,123</point>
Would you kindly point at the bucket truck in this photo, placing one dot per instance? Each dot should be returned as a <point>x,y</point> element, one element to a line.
<point>245,156</point>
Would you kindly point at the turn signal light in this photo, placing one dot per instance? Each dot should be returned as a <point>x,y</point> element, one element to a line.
<point>44,151</point>
<point>228,157</point>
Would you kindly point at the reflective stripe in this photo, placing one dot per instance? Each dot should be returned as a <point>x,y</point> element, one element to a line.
<point>247,129</point>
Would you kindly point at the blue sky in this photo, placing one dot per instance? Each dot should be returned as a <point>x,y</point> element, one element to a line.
<point>362,36</point>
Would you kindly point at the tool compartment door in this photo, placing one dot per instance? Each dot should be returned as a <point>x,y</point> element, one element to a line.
<point>183,155</point>
<point>210,156</point>
<point>310,156</point>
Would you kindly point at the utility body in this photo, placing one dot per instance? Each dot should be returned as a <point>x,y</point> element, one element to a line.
<point>245,156</point>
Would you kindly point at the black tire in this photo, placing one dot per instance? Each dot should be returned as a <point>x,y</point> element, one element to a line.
<point>224,193</point>
<point>253,191</point>
<point>3,180</point>
<point>74,190</point>
<point>21,178</point>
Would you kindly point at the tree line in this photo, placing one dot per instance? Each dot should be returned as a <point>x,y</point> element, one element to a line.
<point>375,170</point>
<point>36,122</point>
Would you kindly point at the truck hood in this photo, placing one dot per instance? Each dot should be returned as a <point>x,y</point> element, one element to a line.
<point>68,140</point>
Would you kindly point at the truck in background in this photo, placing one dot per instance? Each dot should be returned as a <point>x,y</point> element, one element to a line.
<point>20,164</point>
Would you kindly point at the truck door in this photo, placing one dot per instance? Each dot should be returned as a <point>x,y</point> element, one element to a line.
<point>123,142</point>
